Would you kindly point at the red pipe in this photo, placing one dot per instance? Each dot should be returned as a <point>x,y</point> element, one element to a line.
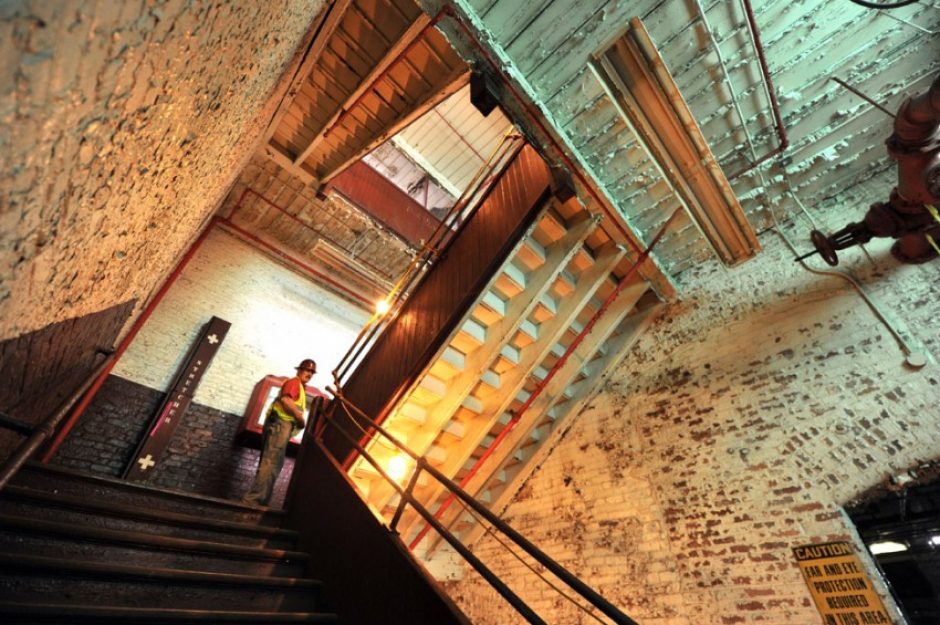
<point>125,343</point>
<point>771,92</point>
<point>517,415</point>
<point>303,224</point>
<point>459,135</point>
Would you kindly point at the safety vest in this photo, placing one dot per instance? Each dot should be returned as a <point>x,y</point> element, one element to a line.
<point>301,403</point>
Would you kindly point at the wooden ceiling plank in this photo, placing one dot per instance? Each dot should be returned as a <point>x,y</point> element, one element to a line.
<point>450,85</point>
<point>400,46</point>
<point>328,23</point>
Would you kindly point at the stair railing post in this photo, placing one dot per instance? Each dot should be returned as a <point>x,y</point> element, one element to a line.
<point>403,501</point>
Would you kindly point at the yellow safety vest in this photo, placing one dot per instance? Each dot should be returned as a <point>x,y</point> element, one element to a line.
<point>301,403</point>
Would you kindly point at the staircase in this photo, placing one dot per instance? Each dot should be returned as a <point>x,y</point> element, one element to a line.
<point>465,411</point>
<point>76,548</point>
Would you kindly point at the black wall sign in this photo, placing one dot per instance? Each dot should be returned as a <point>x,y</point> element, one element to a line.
<point>162,425</point>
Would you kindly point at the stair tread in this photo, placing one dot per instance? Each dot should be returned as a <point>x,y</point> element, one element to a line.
<point>162,614</point>
<point>149,574</point>
<point>125,510</point>
<point>125,537</point>
<point>146,488</point>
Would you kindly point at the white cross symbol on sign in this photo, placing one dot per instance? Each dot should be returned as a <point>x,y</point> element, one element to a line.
<point>213,339</point>
<point>146,462</point>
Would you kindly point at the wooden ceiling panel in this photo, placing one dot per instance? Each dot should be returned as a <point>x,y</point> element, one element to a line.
<point>379,64</point>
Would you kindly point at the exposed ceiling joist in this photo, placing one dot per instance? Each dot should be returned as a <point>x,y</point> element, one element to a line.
<point>416,30</point>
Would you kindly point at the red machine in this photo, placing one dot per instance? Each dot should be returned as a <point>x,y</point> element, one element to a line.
<point>911,212</point>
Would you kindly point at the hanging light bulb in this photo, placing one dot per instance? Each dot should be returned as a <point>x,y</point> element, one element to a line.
<point>398,467</point>
<point>382,306</point>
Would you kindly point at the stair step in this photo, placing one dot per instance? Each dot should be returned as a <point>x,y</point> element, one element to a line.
<point>41,579</point>
<point>17,613</point>
<point>28,536</point>
<point>69,481</point>
<point>124,516</point>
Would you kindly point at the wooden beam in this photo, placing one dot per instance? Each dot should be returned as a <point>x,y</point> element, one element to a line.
<point>452,83</point>
<point>321,32</point>
<point>393,54</point>
<point>274,154</point>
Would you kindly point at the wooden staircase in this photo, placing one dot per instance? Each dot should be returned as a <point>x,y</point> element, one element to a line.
<point>76,548</point>
<point>561,271</point>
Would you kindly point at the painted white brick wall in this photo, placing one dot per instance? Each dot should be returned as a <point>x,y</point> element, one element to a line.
<point>755,408</point>
<point>278,318</point>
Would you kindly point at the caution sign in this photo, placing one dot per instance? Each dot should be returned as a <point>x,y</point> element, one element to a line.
<point>840,587</point>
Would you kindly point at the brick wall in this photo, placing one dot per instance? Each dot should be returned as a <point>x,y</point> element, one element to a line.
<point>203,456</point>
<point>278,317</point>
<point>351,230</point>
<point>752,411</point>
<point>123,125</point>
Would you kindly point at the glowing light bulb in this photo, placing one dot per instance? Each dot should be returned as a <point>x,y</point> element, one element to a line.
<point>398,467</point>
<point>382,306</point>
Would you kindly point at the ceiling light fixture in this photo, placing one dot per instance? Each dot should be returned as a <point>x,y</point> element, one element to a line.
<point>886,546</point>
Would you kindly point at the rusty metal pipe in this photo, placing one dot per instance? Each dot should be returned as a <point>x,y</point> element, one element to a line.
<point>771,93</point>
<point>917,118</point>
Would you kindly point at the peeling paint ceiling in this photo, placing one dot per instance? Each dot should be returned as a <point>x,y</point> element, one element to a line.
<point>836,138</point>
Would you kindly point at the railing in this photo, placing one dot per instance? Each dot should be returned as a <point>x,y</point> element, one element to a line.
<point>37,434</point>
<point>362,422</point>
<point>445,232</point>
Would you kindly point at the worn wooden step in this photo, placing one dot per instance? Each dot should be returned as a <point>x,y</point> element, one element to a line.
<point>71,482</point>
<point>20,613</point>
<point>36,579</point>
<point>29,536</point>
<point>132,517</point>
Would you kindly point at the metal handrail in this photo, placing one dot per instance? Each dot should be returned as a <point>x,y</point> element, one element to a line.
<point>41,432</point>
<point>406,497</point>
<point>12,423</point>
<point>421,464</point>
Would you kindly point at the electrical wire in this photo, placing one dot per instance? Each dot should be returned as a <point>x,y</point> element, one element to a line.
<point>884,5</point>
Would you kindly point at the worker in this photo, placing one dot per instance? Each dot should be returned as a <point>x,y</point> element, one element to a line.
<point>285,418</point>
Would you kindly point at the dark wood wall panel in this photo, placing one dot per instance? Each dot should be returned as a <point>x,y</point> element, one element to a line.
<point>451,285</point>
<point>40,369</point>
<point>339,530</point>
